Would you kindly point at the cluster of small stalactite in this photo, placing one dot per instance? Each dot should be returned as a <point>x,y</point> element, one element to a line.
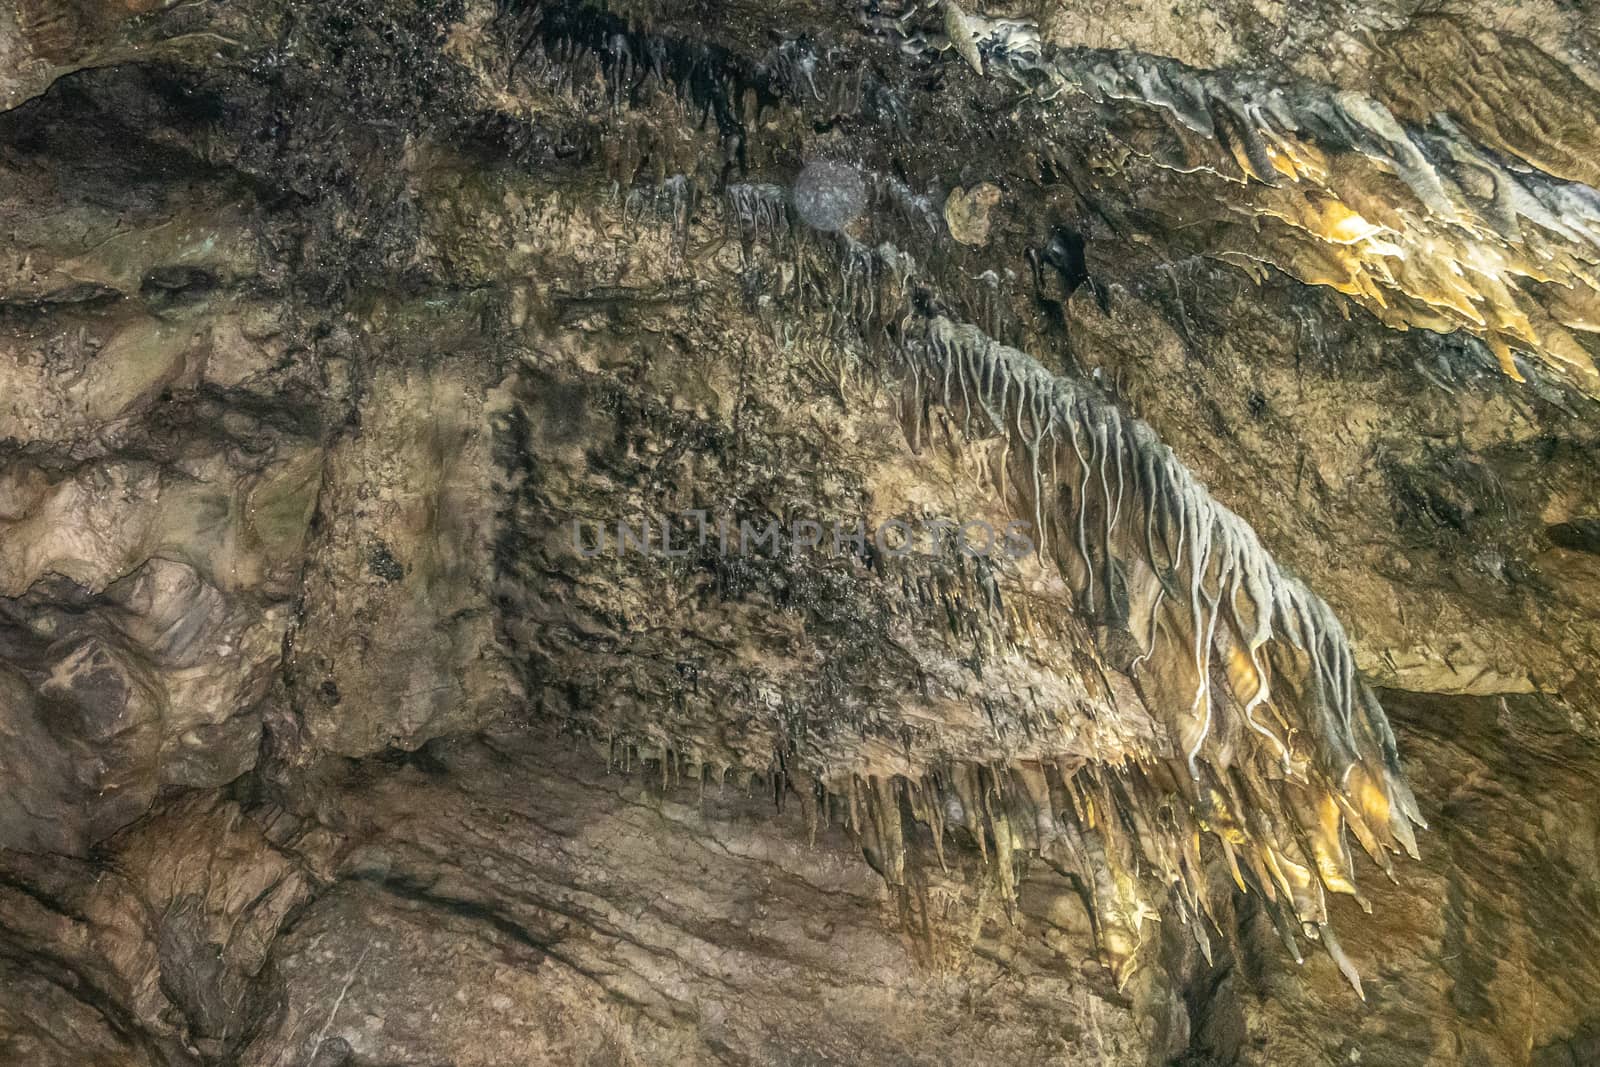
<point>1421,225</point>
<point>1130,832</point>
<point>794,67</point>
<point>1139,836</point>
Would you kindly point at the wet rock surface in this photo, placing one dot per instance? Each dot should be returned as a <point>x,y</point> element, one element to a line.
<point>340,724</point>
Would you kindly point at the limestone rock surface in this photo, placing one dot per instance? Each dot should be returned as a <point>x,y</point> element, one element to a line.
<point>380,383</point>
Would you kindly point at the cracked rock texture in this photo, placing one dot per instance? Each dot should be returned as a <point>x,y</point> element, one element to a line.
<point>325,740</point>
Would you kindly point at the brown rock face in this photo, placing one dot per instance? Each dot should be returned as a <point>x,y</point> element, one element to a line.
<point>533,533</point>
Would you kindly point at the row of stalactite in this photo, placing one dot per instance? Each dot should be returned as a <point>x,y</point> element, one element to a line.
<point>1133,833</point>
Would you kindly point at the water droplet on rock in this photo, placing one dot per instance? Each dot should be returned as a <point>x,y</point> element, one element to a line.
<point>830,196</point>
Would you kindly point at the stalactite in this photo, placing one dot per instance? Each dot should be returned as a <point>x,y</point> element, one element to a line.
<point>759,210</point>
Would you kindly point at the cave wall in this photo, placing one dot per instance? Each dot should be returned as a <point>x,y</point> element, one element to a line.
<point>323,742</point>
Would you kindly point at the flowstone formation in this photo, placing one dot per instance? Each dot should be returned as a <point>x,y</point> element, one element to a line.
<point>380,384</point>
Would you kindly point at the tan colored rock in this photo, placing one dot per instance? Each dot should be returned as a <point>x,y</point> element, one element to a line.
<point>967,213</point>
<point>308,355</point>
